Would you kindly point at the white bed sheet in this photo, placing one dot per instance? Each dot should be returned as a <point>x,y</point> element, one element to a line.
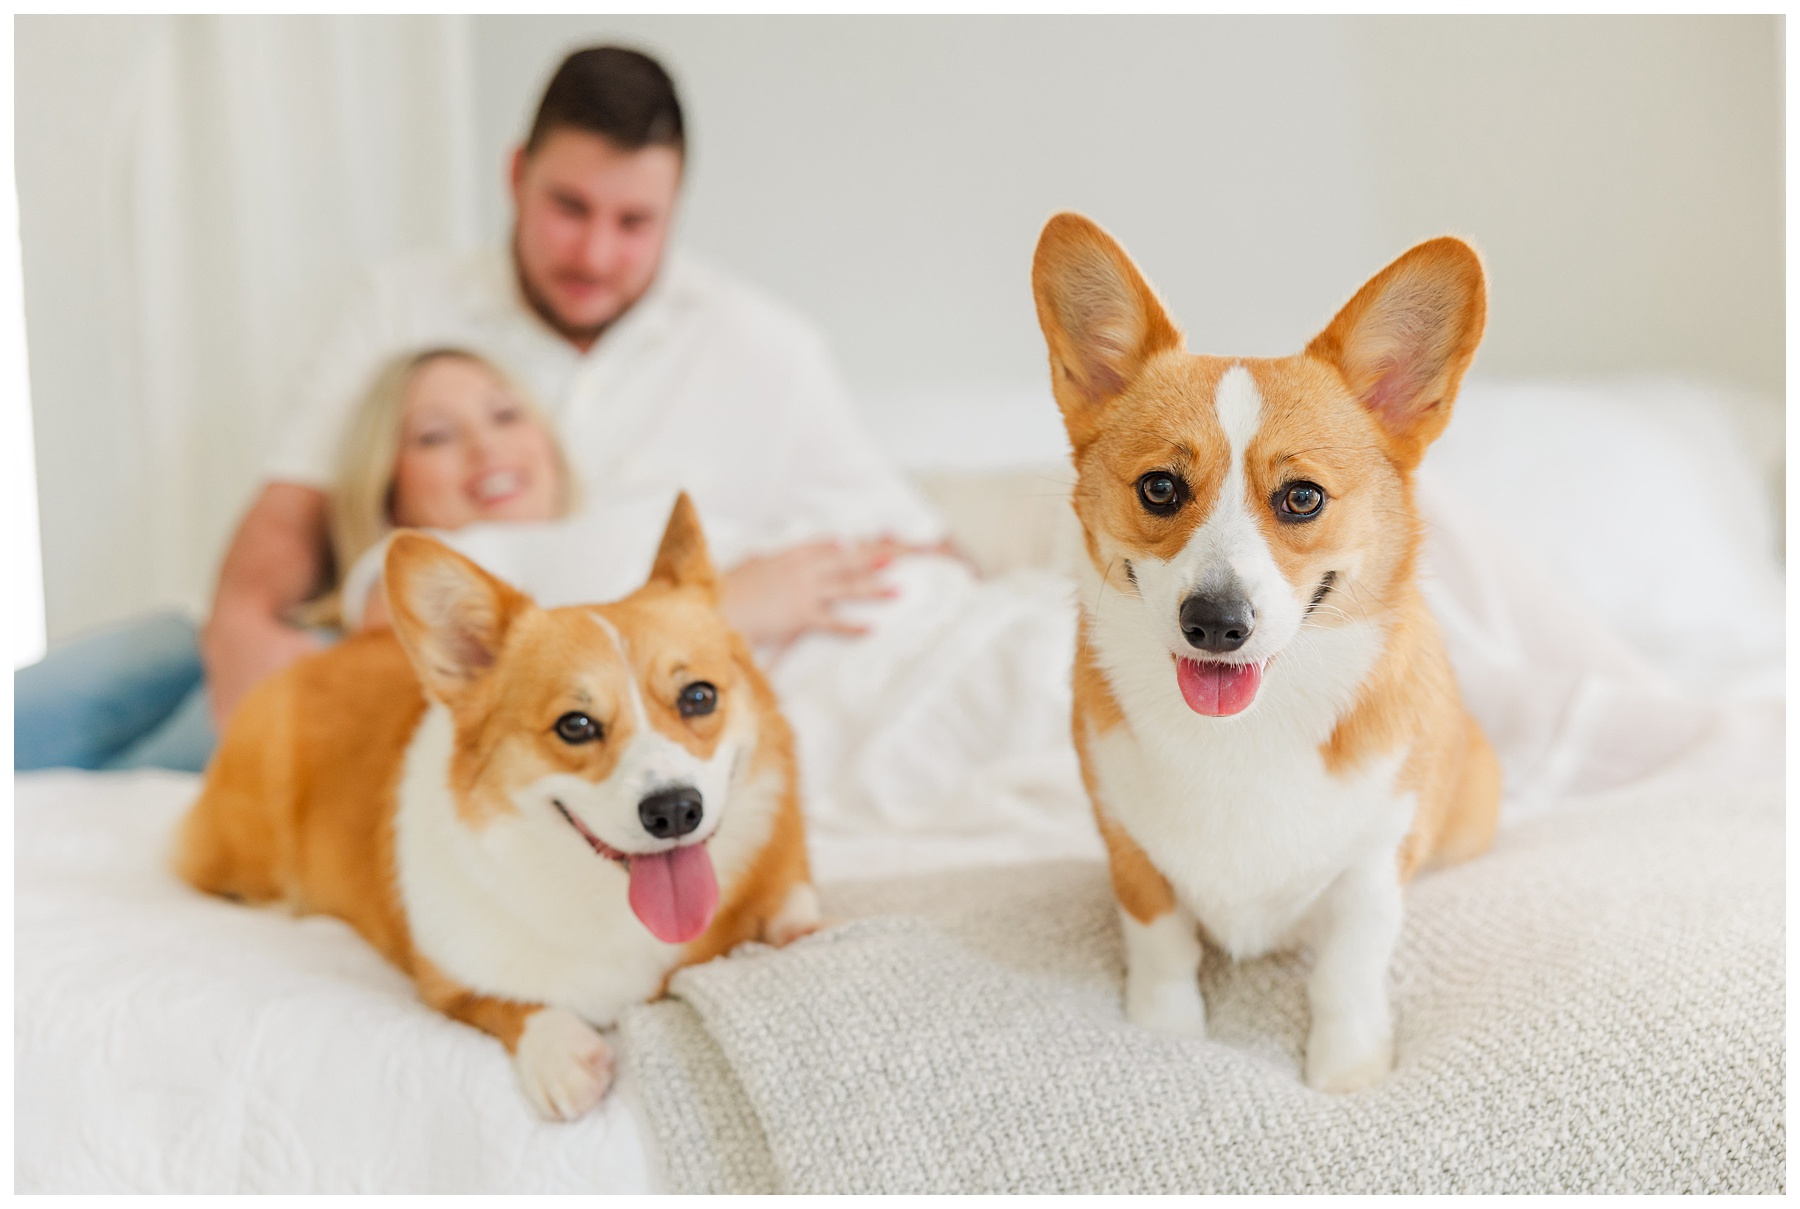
<point>169,1042</point>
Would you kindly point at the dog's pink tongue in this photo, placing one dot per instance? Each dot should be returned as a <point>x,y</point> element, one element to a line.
<point>1218,689</point>
<point>675,892</point>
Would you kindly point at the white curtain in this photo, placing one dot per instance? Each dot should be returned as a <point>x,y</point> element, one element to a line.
<point>253,168</point>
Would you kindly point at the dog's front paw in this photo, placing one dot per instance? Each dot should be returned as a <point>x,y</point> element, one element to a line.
<point>1166,1005</point>
<point>563,1064</point>
<point>1338,1061</point>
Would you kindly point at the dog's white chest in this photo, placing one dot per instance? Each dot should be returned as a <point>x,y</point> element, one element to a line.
<point>1241,814</point>
<point>520,908</point>
<point>1248,850</point>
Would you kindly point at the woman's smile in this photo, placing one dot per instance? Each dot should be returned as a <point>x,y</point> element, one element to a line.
<point>470,451</point>
<point>497,487</point>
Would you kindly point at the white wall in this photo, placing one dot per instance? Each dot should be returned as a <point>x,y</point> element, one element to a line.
<point>887,176</point>
<point>1624,177</point>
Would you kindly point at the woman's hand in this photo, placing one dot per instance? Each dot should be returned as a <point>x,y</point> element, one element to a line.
<point>774,599</point>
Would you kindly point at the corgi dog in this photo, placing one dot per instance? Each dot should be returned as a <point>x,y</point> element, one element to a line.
<point>1268,726</point>
<point>537,814</point>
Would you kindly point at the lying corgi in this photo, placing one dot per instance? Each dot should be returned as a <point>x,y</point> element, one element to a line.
<point>537,814</point>
<point>1268,726</point>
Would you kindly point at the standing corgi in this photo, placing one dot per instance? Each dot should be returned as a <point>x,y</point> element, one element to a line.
<point>1268,725</point>
<point>537,814</point>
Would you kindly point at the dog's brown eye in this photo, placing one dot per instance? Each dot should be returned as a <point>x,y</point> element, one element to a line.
<point>1300,501</point>
<point>1160,491</point>
<point>577,727</point>
<point>696,699</point>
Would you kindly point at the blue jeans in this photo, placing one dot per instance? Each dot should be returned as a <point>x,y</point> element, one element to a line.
<point>130,696</point>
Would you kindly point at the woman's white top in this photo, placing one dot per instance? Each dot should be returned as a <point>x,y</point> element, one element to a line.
<point>599,554</point>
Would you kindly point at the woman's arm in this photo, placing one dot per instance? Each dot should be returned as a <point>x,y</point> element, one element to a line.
<point>276,561</point>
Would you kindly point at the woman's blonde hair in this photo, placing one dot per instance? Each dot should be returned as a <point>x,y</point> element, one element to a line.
<point>361,504</point>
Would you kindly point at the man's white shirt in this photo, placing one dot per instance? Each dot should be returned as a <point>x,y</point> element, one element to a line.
<point>704,384</point>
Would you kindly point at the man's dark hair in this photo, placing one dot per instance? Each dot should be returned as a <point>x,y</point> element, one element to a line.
<point>608,90</point>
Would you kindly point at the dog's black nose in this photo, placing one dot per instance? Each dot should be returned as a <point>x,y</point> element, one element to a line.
<point>669,814</point>
<point>1217,623</point>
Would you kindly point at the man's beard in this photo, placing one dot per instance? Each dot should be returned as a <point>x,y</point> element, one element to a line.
<point>584,337</point>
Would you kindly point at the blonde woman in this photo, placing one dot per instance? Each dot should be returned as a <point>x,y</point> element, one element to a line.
<point>441,440</point>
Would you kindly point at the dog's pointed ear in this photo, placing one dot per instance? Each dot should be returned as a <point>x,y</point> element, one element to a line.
<point>451,616</point>
<point>1403,343</point>
<point>682,560</point>
<point>1100,317</point>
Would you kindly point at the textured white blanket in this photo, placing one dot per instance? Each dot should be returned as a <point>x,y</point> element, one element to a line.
<point>1594,1006</point>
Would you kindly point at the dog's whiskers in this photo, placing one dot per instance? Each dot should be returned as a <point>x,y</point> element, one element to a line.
<point>1325,582</point>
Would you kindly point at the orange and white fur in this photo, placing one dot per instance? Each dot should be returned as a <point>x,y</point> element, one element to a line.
<point>537,814</point>
<point>1268,725</point>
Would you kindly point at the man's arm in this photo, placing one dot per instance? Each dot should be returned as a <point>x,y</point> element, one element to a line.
<point>276,560</point>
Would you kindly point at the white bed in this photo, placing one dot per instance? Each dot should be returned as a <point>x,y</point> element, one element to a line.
<point>168,1042</point>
